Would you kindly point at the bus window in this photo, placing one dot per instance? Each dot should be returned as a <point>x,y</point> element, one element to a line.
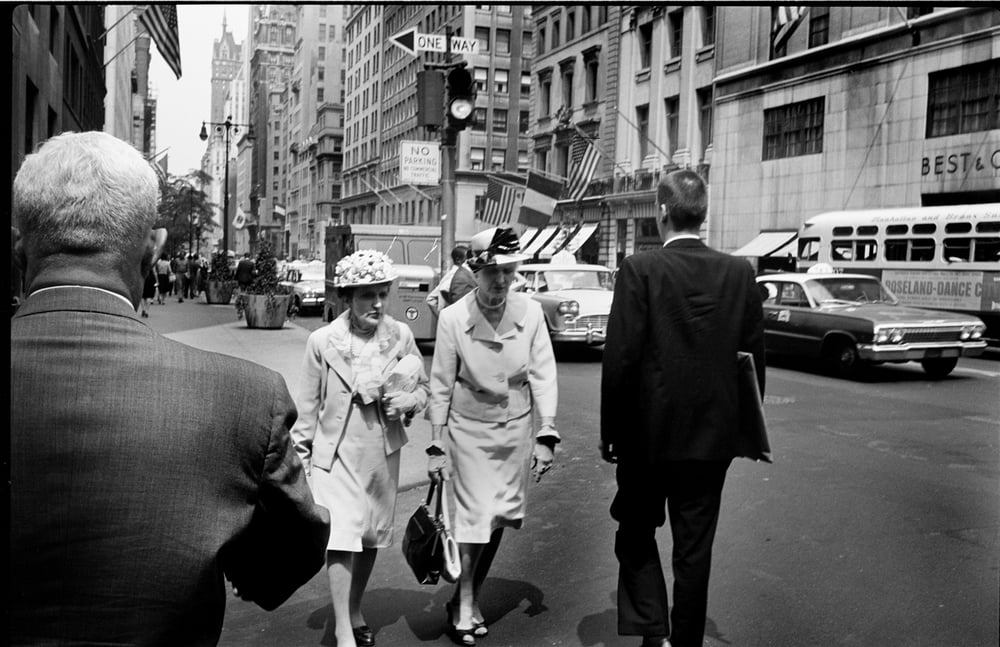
<point>986,250</point>
<point>808,249</point>
<point>924,228</point>
<point>958,228</point>
<point>842,250</point>
<point>896,248</point>
<point>843,231</point>
<point>991,227</point>
<point>957,250</point>
<point>897,230</point>
<point>865,250</point>
<point>922,249</point>
<point>871,230</point>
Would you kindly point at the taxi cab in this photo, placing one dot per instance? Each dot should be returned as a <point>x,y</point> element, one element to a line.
<point>575,298</point>
<point>853,320</point>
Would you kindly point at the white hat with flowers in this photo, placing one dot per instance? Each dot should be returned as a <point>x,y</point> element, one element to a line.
<point>364,267</point>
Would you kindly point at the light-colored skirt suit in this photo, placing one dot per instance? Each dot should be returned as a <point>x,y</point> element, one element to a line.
<point>485,385</point>
<point>350,449</point>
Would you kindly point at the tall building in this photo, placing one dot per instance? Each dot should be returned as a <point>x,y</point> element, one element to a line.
<point>227,59</point>
<point>381,109</point>
<point>272,36</point>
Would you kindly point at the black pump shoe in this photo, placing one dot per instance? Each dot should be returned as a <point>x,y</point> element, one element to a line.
<point>364,636</point>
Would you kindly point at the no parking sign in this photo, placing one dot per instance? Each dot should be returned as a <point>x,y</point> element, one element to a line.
<point>419,162</point>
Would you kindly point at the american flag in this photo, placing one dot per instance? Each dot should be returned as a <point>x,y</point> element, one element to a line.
<point>585,159</point>
<point>160,20</point>
<point>785,19</point>
<point>498,205</point>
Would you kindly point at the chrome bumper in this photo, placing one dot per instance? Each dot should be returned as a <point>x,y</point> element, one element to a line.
<point>593,336</point>
<point>907,352</point>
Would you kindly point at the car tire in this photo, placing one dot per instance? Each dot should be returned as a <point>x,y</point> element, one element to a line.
<point>939,367</point>
<point>842,356</point>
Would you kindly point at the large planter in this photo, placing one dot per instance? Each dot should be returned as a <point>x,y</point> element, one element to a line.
<point>219,291</point>
<point>263,311</point>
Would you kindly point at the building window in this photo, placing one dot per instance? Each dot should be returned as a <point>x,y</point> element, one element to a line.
<point>541,38</point>
<point>570,24</point>
<point>526,44</point>
<point>483,38</point>
<point>322,52</point>
<point>545,94</point>
<point>562,160</point>
<point>476,158</point>
<point>525,85</point>
<point>917,11</point>
<point>556,26</point>
<point>645,45</point>
<point>480,74</point>
<point>503,41</point>
<point>319,95</point>
<point>499,120</point>
<point>819,26</point>
<point>585,25</point>
<point>498,159</point>
<point>705,117</point>
<point>794,129</point>
<point>500,81</point>
<point>676,32</point>
<point>964,99</point>
<point>592,70</point>
<point>708,25</point>
<point>522,161</point>
<point>642,129</point>
<point>567,86</point>
<point>670,107</point>
<point>542,159</point>
<point>602,14</point>
<point>522,122</point>
<point>479,120</point>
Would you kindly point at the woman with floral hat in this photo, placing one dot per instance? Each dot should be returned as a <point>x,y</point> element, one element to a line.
<point>351,427</point>
<point>493,369</point>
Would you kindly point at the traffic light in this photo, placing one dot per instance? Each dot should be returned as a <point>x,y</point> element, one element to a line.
<point>460,104</point>
<point>430,89</point>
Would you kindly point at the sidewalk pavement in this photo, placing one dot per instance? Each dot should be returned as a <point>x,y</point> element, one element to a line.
<point>281,350</point>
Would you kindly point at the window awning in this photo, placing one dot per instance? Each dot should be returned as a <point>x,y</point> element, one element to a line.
<point>583,234</point>
<point>533,239</point>
<point>768,243</point>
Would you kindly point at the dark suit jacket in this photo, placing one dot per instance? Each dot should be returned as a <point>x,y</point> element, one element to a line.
<point>463,282</point>
<point>143,471</point>
<point>669,381</point>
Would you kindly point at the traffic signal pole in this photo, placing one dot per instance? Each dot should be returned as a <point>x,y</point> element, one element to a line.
<point>449,139</point>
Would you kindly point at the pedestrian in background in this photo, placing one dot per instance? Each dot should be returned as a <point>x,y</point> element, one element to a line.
<point>162,278</point>
<point>350,433</point>
<point>180,270</point>
<point>191,284</point>
<point>148,293</point>
<point>669,409</point>
<point>128,514</point>
<point>244,272</point>
<point>448,290</point>
<point>493,368</point>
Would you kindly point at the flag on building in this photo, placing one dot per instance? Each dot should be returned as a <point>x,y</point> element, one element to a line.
<point>785,19</point>
<point>160,20</point>
<point>278,210</point>
<point>585,159</point>
<point>499,202</point>
<point>240,221</point>
<point>540,195</point>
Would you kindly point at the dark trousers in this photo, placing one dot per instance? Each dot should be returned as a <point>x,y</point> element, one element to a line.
<point>690,491</point>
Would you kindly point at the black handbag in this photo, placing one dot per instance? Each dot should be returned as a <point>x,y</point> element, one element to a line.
<point>428,546</point>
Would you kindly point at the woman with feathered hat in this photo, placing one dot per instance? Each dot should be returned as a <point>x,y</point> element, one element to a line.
<point>351,427</point>
<point>493,369</point>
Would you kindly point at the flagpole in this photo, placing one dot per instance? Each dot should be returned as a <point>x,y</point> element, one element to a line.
<point>117,22</point>
<point>662,152</point>
<point>593,142</point>
<point>375,191</point>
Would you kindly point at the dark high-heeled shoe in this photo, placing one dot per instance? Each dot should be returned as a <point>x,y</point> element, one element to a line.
<point>479,629</point>
<point>364,636</point>
<point>465,637</point>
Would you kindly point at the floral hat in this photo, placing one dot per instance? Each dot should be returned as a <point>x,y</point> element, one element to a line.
<point>364,267</point>
<point>497,246</point>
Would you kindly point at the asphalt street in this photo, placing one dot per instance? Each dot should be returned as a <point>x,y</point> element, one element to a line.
<point>876,525</point>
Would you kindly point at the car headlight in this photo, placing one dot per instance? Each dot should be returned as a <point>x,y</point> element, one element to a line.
<point>569,308</point>
<point>888,335</point>
<point>972,332</point>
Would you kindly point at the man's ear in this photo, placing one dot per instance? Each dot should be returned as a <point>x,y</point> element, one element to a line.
<point>17,249</point>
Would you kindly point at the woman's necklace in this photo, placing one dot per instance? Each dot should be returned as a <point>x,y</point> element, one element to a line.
<point>357,333</point>
<point>484,306</point>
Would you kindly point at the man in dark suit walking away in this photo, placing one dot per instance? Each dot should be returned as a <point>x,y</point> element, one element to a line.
<point>127,513</point>
<point>669,410</point>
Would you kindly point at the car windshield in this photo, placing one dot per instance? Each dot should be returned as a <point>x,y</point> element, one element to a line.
<point>313,274</point>
<point>849,290</point>
<point>575,280</point>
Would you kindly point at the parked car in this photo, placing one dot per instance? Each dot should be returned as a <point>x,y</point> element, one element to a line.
<point>852,320</point>
<point>306,282</point>
<point>576,299</point>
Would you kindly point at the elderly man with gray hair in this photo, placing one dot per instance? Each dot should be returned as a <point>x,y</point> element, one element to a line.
<point>127,516</point>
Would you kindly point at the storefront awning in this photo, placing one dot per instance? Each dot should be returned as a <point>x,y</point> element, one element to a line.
<point>767,243</point>
<point>533,240</point>
<point>583,234</point>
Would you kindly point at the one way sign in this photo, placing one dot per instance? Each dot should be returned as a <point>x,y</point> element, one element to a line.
<point>412,42</point>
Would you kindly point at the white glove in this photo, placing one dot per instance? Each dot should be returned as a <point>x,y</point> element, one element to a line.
<point>398,403</point>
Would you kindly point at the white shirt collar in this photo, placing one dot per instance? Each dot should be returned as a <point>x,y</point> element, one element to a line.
<point>86,287</point>
<point>681,236</point>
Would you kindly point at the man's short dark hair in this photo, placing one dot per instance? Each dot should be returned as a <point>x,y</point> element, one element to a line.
<point>684,194</point>
<point>459,254</point>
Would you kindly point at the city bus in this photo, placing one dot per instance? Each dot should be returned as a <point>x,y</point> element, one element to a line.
<point>943,258</point>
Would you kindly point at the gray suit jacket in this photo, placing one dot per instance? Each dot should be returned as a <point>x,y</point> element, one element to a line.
<point>143,472</point>
<point>669,380</point>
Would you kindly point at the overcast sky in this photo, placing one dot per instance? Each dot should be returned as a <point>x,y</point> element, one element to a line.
<point>183,104</point>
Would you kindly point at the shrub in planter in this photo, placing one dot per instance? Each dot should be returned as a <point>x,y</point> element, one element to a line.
<point>265,302</point>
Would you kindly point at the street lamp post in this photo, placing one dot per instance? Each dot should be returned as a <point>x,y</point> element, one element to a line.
<point>228,127</point>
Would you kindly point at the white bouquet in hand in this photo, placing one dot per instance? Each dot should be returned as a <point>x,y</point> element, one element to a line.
<point>397,389</point>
